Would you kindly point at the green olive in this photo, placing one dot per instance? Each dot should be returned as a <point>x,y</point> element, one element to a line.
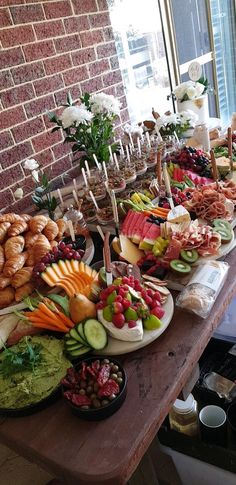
<point>89,389</point>
<point>114,377</point>
<point>119,380</point>
<point>96,403</point>
<point>115,368</point>
<point>112,397</point>
<point>82,392</point>
<point>106,361</point>
<point>105,402</point>
<point>93,395</point>
<point>119,374</point>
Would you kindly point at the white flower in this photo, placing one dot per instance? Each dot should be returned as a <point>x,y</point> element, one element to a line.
<point>191,92</point>
<point>105,103</point>
<point>35,175</point>
<point>31,164</point>
<point>133,129</point>
<point>19,193</point>
<point>75,114</point>
<point>199,89</point>
<point>188,116</point>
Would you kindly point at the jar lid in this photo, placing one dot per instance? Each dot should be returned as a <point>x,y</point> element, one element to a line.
<point>184,406</point>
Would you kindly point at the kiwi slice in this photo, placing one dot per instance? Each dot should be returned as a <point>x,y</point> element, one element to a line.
<point>224,233</point>
<point>180,266</point>
<point>222,223</point>
<point>189,255</point>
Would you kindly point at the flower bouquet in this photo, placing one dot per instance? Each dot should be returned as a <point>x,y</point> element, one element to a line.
<point>89,125</point>
<point>175,123</point>
<point>191,95</point>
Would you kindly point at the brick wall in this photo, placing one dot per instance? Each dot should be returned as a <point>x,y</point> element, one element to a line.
<point>46,49</point>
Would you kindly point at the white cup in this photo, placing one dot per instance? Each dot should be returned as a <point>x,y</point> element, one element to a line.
<point>212,416</point>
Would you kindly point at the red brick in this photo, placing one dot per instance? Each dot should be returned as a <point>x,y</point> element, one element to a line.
<point>110,90</point>
<point>108,34</point>
<point>76,24</point>
<point>91,37</point>
<point>61,149</point>
<point>54,10</point>
<point>61,166</point>
<point>5,80</point>
<point>84,6</point>
<point>6,140</point>
<point>120,90</point>
<point>14,174</point>
<point>69,43</point>
<point>124,115</point>
<point>98,67</point>
<point>17,35</point>
<point>46,30</point>
<point>113,77</point>
<point>106,50</point>
<point>11,57</point>
<point>7,3</point>
<point>92,85</point>
<point>46,140</point>
<point>6,198</point>
<point>114,61</point>
<point>102,4</point>
<point>99,19</point>
<point>48,84</point>
<point>60,96</point>
<point>27,185</point>
<point>57,64</point>
<point>17,95</point>
<point>27,13</point>
<point>28,129</point>
<point>22,205</point>
<point>39,50</point>
<point>123,102</point>
<point>83,56</point>
<point>5,18</point>
<point>11,117</point>
<point>75,75</point>
<point>45,158</point>
<point>15,154</point>
<point>40,106</point>
<point>28,72</point>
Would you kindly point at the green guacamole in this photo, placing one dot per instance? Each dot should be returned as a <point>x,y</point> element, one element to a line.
<point>29,387</point>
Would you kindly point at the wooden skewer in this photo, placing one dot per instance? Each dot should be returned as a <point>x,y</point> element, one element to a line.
<point>214,168</point>
<point>230,148</point>
<point>159,170</point>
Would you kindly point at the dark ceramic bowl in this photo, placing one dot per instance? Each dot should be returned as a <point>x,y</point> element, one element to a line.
<point>105,411</point>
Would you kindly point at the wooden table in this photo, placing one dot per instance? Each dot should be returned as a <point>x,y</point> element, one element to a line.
<point>108,452</point>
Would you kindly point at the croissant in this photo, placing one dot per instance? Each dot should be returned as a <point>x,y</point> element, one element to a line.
<point>4,226</point>
<point>26,217</point>
<point>10,217</point>
<point>22,276</point>
<point>51,230</point>
<point>2,258</point>
<point>4,281</point>
<point>38,223</point>
<point>61,224</point>
<point>7,296</point>
<point>14,246</point>
<point>17,228</point>
<point>24,291</point>
<point>41,247</point>
<point>14,264</point>
<point>30,259</point>
<point>30,239</point>
<point>53,244</point>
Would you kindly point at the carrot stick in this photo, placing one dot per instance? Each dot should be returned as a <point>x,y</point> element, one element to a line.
<point>65,320</point>
<point>45,310</point>
<point>48,327</point>
<point>57,326</point>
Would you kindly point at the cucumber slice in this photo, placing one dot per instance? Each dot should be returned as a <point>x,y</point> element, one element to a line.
<point>76,346</point>
<point>80,330</point>
<point>70,341</point>
<point>76,336</point>
<point>95,334</point>
<point>78,352</point>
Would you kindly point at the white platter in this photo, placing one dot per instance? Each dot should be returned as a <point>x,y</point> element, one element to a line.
<point>119,347</point>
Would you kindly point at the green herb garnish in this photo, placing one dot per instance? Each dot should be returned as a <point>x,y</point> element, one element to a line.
<point>25,359</point>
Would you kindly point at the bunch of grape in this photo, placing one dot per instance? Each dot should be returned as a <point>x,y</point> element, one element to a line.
<point>62,251</point>
<point>191,159</point>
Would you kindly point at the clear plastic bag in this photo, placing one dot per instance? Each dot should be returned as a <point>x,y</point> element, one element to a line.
<point>202,290</point>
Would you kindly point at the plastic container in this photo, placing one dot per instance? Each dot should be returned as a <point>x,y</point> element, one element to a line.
<point>183,416</point>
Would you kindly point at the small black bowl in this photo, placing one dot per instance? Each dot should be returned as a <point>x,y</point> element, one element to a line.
<point>79,243</point>
<point>105,411</point>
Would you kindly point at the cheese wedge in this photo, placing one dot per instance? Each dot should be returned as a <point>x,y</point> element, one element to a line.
<point>129,250</point>
<point>178,214</point>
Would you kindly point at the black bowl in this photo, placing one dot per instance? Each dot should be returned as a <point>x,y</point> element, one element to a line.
<point>79,243</point>
<point>105,411</point>
<point>32,408</point>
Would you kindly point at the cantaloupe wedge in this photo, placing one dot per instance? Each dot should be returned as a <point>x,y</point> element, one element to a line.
<point>56,268</point>
<point>81,266</point>
<point>48,280</point>
<point>67,287</point>
<point>63,267</point>
<point>75,265</point>
<point>69,266</point>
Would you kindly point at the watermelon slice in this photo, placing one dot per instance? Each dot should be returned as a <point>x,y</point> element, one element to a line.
<point>137,230</point>
<point>153,232</point>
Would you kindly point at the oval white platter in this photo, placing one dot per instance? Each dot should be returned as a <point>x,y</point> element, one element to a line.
<point>119,347</point>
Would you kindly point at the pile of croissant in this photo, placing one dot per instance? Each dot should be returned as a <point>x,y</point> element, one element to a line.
<point>24,240</point>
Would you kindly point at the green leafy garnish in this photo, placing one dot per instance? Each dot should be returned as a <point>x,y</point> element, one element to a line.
<point>25,359</point>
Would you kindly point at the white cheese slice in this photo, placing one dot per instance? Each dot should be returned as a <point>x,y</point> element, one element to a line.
<point>127,334</point>
<point>129,251</point>
<point>178,214</point>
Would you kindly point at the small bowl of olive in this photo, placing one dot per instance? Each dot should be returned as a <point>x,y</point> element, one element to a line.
<point>95,388</point>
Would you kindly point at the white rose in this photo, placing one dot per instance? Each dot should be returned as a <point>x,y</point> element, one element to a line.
<point>31,164</point>
<point>191,92</point>
<point>35,175</point>
<point>19,193</point>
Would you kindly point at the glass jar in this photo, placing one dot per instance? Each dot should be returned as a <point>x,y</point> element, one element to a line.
<point>183,416</point>
<point>78,221</point>
<point>96,182</point>
<point>116,179</point>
